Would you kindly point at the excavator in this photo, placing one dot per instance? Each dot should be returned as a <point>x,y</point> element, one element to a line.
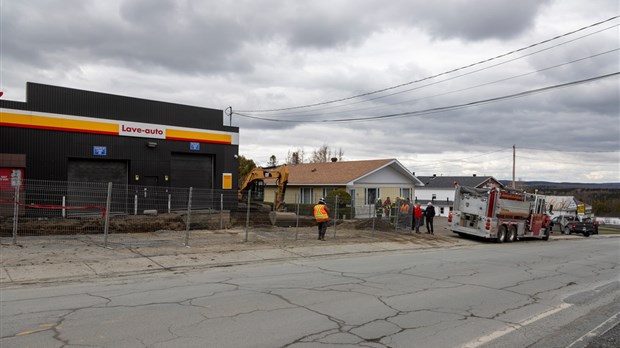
<point>255,185</point>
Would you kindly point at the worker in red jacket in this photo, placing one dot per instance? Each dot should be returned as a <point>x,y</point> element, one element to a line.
<point>417,215</point>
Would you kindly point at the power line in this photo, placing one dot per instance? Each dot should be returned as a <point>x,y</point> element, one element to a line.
<point>600,164</point>
<point>444,108</point>
<point>435,163</point>
<point>566,151</point>
<point>454,91</point>
<point>440,74</point>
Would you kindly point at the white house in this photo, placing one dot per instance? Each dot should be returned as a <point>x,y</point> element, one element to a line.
<point>440,189</point>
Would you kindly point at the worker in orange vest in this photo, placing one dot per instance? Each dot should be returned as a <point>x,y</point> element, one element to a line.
<point>321,214</point>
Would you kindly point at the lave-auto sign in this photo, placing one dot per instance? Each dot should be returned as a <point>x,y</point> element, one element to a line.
<point>82,124</point>
<point>143,130</point>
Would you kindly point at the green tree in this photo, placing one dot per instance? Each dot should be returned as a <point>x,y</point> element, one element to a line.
<point>344,202</point>
<point>344,197</point>
<point>246,165</point>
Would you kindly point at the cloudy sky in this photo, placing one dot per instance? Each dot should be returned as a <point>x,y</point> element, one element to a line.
<point>446,87</point>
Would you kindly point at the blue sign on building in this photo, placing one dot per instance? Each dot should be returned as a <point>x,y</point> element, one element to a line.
<point>194,146</point>
<point>100,151</point>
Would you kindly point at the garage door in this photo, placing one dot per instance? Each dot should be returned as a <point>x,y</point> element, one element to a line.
<point>80,170</point>
<point>189,170</point>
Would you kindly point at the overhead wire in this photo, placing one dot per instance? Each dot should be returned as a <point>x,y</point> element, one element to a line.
<point>463,89</point>
<point>555,160</point>
<point>305,112</point>
<point>567,151</point>
<point>418,113</point>
<point>436,75</point>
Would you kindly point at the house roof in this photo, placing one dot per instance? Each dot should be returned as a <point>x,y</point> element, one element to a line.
<point>340,173</point>
<point>561,202</point>
<point>448,181</point>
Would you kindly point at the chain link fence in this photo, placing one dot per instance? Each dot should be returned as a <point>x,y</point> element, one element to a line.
<point>134,215</point>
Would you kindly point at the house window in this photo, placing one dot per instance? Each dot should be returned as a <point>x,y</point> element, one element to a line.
<point>352,193</point>
<point>405,192</point>
<point>441,210</point>
<point>434,197</point>
<point>371,195</point>
<point>306,195</point>
<point>327,190</point>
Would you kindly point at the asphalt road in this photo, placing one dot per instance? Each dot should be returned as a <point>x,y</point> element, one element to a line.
<point>526,294</point>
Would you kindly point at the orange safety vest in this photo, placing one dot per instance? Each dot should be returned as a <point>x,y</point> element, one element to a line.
<point>320,213</point>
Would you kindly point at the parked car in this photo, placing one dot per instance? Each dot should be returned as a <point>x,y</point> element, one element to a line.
<point>559,222</point>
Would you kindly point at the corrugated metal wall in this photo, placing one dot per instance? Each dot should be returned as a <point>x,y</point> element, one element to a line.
<point>49,152</point>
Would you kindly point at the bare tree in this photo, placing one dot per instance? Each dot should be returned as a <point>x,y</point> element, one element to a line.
<point>325,154</point>
<point>322,154</point>
<point>296,157</point>
<point>272,161</point>
<point>340,154</point>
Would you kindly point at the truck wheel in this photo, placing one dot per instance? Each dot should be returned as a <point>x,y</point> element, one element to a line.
<point>546,235</point>
<point>566,230</point>
<point>586,234</point>
<point>511,235</point>
<point>501,234</point>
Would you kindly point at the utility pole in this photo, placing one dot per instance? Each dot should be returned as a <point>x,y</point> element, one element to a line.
<point>228,111</point>
<point>513,167</point>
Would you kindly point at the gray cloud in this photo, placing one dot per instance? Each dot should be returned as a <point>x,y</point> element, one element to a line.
<point>271,54</point>
<point>482,20</point>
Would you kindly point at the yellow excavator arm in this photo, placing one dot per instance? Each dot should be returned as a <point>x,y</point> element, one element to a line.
<point>259,174</point>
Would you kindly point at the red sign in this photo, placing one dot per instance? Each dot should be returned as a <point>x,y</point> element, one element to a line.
<point>133,129</point>
<point>510,196</point>
<point>10,178</point>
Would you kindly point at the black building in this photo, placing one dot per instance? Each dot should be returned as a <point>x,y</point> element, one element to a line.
<point>74,135</point>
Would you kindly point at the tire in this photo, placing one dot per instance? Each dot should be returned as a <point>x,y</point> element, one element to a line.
<point>586,234</point>
<point>511,235</point>
<point>546,235</point>
<point>501,234</point>
<point>567,230</point>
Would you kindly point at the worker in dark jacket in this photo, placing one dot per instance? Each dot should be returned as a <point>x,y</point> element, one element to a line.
<point>429,214</point>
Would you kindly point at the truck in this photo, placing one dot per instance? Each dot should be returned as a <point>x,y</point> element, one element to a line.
<point>499,214</point>
<point>568,224</point>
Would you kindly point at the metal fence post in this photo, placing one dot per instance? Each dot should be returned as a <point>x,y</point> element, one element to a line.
<point>336,216</point>
<point>64,204</point>
<point>396,212</point>
<point>373,219</point>
<point>106,222</point>
<point>189,215</point>
<point>15,214</point>
<point>169,201</point>
<point>247,218</point>
<point>221,211</point>
<point>135,204</point>
<point>297,217</point>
